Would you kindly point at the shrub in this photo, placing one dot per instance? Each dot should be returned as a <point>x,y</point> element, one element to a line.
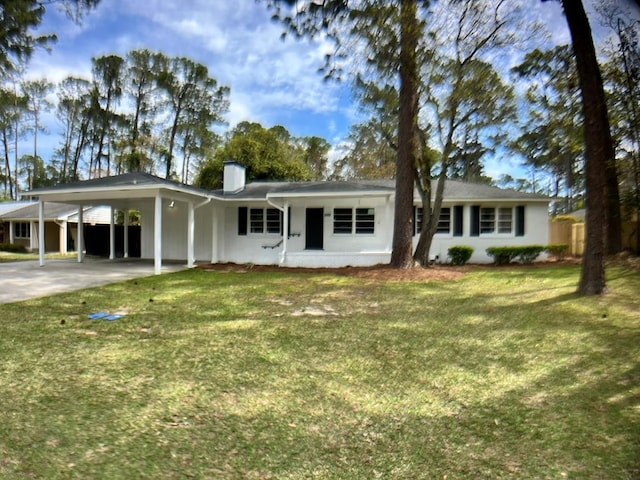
<point>524,254</point>
<point>530,252</point>
<point>13,248</point>
<point>460,254</point>
<point>502,255</point>
<point>558,250</point>
<point>567,218</point>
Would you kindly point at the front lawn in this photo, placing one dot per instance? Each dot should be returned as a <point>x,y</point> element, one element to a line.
<point>6,257</point>
<point>503,373</point>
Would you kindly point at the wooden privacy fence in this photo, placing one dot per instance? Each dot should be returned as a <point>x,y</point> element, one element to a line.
<point>573,234</point>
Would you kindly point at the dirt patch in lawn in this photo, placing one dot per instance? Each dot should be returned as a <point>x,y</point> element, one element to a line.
<point>376,272</point>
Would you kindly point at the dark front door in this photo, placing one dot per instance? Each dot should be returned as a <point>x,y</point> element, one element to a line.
<point>314,230</point>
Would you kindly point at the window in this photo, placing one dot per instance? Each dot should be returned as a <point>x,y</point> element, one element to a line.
<point>273,220</point>
<point>343,224</point>
<point>444,222</point>
<point>488,220</point>
<point>22,230</point>
<point>342,220</point>
<point>259,220</point>
<point>365,220</point>
<point>256,220</point>
<point>505,220</point>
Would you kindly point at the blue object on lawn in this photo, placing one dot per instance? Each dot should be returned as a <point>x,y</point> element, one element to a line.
<point>105,316</point>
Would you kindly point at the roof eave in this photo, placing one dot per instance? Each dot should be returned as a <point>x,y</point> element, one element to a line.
<point>372,193</point>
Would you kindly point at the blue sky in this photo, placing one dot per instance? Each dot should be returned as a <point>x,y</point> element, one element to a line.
<point>272,81</point>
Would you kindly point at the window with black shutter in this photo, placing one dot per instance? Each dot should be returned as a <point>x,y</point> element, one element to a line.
<point>242,220</point>
<point>458,220</point>
<point>475,220</point>
<point>520,221</point>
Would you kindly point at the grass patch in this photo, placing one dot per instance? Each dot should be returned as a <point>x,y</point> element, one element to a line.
<point>505,373</point>
<point>6,257</point>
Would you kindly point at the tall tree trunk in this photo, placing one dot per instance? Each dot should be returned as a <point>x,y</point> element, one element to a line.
<point>430,216</point>
<point>401,255</point>
<point>599,147</point>
<point>7,163</point>
<point>16,182</point>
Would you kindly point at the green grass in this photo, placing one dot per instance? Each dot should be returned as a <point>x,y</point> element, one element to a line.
<point>6,257</point>
<point>505,373</point>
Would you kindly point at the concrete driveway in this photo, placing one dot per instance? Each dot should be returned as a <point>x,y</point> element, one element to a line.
<point>25,280</point>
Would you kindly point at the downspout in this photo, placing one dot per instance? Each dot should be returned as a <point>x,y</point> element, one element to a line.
<point>285,228</point>
<point>201,204</point>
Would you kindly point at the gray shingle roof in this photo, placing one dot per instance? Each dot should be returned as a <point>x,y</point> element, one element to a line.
<point>52,211</point>
<point>6,207</point>
<point>454,190</point>
<point>458,190</point>
<point>118,181</point>
<point>260,190</point>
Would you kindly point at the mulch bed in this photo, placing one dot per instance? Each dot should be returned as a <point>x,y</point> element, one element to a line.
<point>376,272</point>
<point>384,272</point>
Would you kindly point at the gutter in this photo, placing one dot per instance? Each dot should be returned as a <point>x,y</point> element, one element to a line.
<point>201,204</point>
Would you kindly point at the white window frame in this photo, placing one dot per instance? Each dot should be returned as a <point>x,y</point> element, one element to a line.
<point>22,230</point>
<point>262,221</point>
<point>354,221</point>
<point>497,220</point>
<point>441,222</point>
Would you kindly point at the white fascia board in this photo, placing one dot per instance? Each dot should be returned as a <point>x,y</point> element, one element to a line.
<point>117,193</point>
<point>372,193</point>
<point>486,200</point>
<point>494,200</point>
<point>30,219</point>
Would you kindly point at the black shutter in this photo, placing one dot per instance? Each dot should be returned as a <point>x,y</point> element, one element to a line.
<point>242,220</point>
<point>458,220</point>
<point>520,221</point>
<point>475,220</point>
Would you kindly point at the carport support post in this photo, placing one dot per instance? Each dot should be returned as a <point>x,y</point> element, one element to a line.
<point>157,236</point>
<point>41,228</point>
<point>80,235</point>
<point>126,233</point>
<point>112,235</point>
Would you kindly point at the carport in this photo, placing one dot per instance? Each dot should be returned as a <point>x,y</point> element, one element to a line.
<point>126,192</point>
